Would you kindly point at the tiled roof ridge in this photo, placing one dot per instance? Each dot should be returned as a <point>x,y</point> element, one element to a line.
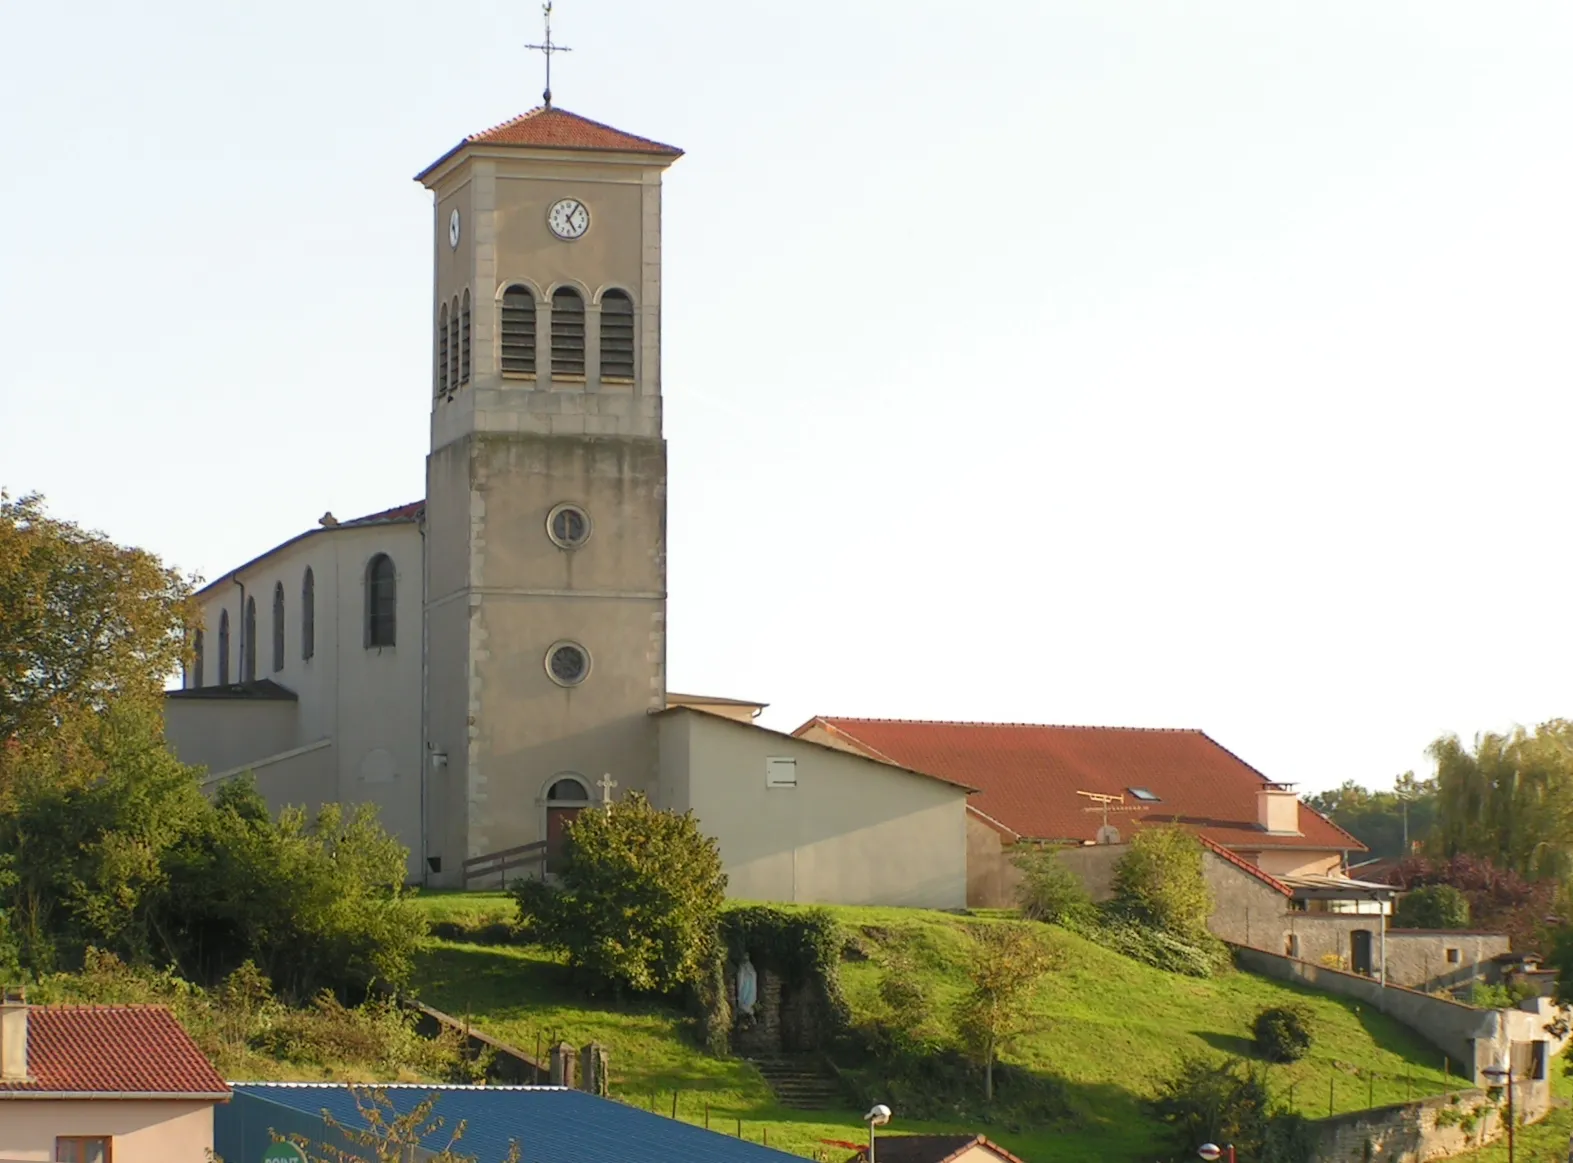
<point>833,719</point>
<point>481,137</point>
<point>1244,864</point>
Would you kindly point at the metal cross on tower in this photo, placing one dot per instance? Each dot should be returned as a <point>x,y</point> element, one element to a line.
<point>547,49</point>
<point>606,783</point>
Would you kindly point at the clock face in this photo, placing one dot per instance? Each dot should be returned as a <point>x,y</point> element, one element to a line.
<point>568,219</point>
<point>453,230</point>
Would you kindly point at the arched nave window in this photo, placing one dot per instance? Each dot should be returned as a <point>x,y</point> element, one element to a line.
<point>381,603</point>
<point>223,648</point>
<point>308,615</point>
<point>196,658</point>
<point>248,643</point>
<point>278,627</point>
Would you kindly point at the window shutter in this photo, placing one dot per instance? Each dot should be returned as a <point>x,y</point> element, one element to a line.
<point>617,336</point>
<point>567,333</point>
<point>518,331</point>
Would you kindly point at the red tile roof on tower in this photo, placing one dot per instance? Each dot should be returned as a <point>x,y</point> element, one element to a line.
<point>1029,776</point>
<point>548,127</point>
<point>107,1051</point>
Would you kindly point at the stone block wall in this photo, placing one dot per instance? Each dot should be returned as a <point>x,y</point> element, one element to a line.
<point>1417,1131</point>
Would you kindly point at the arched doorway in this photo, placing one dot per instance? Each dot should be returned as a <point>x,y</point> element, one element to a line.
<point>566,797</point>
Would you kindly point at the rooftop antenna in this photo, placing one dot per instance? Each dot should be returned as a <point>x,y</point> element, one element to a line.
<point>1103,805</point>
<point>547,49</point>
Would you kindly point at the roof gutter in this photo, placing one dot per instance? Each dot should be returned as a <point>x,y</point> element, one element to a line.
<point>129,1095</point>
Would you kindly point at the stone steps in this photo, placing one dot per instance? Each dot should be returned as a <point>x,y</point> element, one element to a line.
<point>800,1083</point>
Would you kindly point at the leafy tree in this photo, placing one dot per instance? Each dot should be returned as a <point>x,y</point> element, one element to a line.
<point>639,901</point>
<point>1282,1033</point>
<point>1228,1102</point>
<point>1007,963</point>
<point>388,1136</point>
<point>1499,900</point>
<point>1159,880</point>
<point>1049,891</point>
<point>1434,906</point>
<point>1509,800</point>
<point>84,622</point>
<point>1389,823</point>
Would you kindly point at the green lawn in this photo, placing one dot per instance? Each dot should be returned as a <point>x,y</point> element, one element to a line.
<point>1110,1027</point>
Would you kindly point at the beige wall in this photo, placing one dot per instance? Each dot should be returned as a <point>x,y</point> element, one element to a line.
<point>1292,862</point>
<point>143,1132</point>
<point>991,877</point>
<point>851,832</point>
<point>367,702</point>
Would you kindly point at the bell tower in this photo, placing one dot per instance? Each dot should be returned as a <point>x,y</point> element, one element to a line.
<point>545,587</point>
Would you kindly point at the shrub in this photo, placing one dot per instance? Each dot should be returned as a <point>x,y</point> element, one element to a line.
<point>1159,880</point>
<point>1283,1033</point>
<point>1228,1102</point>
<point>1049,891</point>
<point>639,902</point>
<point>1433,906</point>
<point>1199,955</point>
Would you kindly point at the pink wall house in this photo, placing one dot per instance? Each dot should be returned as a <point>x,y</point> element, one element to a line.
<point>102,1084</point>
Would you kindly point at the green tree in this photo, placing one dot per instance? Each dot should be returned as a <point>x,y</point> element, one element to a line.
<point>1433,906</point>
<point>1159,880</point>
<point>1510,799</point>
<point>1389,823</point>
<point>84,623</point>
<point>1049,891</point>
<point>639,900</point>
<point>1229,1102</point>
<point>1007,963</point>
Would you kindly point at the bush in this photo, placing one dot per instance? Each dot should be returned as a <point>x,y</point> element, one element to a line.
<point>1159,880</point>
<point>1200,955</point>
<point>1434,906</point>
<point>1049,891</point>
<point>639,902</point>
<point>1283,1033</point>
<point>1228,1102</point>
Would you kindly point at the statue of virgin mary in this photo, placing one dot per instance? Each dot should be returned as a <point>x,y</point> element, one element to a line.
<point>747,987</point>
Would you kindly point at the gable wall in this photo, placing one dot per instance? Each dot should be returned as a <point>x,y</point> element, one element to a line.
<point>143,1132</point>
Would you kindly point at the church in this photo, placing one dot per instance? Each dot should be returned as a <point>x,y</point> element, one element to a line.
<point>487,662</point>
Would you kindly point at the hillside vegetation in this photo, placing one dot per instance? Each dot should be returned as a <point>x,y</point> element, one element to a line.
<point>1109,1028</point>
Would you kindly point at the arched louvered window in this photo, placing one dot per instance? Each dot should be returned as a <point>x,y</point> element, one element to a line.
<point>308,615</point>
<point>248,643</point>
<point>380,601</point>
<point>223,648</point>
<point>442,350</point>
<point>464,339</point>
<point>278,627</point>
<point>617,336</point>
<point>453,347</point>
<point>518,331</point>
<point>196,658</point>
<point>567,332</point>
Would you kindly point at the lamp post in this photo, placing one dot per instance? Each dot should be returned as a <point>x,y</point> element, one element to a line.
<point>877,1117</point>
<point>1504,1074</point>
<point>1211,1151</point>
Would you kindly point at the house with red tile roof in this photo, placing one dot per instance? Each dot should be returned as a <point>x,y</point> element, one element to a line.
<point>103,1084</point>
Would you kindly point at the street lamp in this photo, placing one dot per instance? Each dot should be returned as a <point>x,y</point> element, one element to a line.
<point>877,1117</point>
<point>1501,1074</point>
<point>1211,1151</point>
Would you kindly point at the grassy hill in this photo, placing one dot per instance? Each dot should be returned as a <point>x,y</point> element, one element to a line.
<point>1111,1028</point>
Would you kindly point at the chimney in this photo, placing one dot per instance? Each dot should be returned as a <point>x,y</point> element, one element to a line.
<point>13,1034</point>
<point>1278,809</point>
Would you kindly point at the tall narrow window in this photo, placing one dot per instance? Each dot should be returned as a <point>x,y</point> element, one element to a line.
<point>617,336</point>
<point>518,331</point>
<point>278,627</point>
<point>567,332</point>
<point>442,350</point>
<point>196,658</point>
<point>453,347</point>
<point>223,648</point>
<point>464,339</point>
<point>248,643</point>
<point>308,614</point>
<point>380,601</point>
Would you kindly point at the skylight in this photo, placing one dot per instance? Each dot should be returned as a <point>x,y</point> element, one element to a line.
<point>1142,794</point>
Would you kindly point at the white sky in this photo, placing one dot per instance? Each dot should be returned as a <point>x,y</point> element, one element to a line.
<point>1155,364</point>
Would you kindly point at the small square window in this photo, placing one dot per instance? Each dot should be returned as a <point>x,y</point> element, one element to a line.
<point>76,1149</point>
<point>780,773</point>
<point>1141,793</point>
<point>1452,956</point>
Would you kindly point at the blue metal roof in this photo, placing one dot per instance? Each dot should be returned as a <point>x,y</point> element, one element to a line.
<point>552,1124</point>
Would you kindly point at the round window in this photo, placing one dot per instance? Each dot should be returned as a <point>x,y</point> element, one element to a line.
<point>568,526</point>
<point>567,663</point>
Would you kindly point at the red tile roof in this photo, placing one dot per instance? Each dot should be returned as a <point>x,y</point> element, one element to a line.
<point>113,1050</point>
<point>1029,775</point>
<point>548,127</point>
<point>930,1148</point>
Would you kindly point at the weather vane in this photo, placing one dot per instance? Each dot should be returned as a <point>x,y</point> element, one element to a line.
<point>547,49</point>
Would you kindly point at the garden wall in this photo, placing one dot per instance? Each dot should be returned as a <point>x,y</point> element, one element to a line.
<point>1414,1131</point>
